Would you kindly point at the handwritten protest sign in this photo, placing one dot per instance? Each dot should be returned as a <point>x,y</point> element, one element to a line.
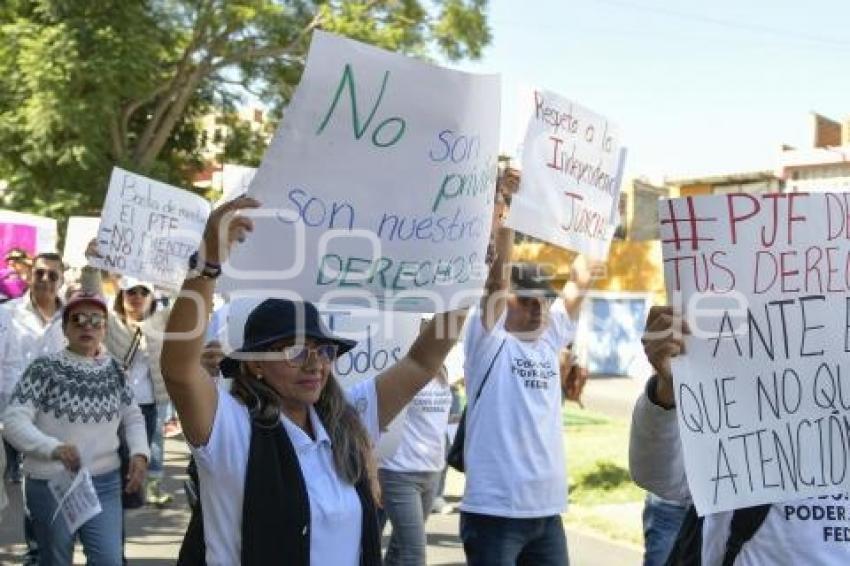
<point>81,230</point>
<point>233,180</point>
<point>149,229</point>
<point>378,187</point>
<point>571,167</point>
<point>763,392</point>
<point>30,232</point>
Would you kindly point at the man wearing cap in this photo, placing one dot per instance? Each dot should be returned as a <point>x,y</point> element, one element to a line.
<point>516,485</point>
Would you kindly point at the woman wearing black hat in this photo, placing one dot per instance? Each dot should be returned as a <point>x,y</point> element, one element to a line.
<point>285,462</point>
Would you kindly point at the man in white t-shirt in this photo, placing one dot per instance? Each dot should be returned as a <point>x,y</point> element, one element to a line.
<point>807,531</point>
<point>516,486</point>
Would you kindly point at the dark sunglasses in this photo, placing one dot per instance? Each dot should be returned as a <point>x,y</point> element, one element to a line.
<point>298,354</point>
<point>81,319</point>
<point>48,273</point>
<point>143,291</point>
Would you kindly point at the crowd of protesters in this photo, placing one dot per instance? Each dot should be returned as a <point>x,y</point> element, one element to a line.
<point>283,457</point>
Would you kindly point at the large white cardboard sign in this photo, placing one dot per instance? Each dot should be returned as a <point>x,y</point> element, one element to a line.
<point>149,229</point>
<point>378,187</point>
<point>571,169</point>
<point>763,391</point>
<point>81,230</point>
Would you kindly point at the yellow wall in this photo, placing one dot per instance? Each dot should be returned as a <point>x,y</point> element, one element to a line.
<point>694,190</point>
<point>632,266</point>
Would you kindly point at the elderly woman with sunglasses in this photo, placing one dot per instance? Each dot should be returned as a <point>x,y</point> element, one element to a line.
<point>64,414</point>
<point>285,461</point>
<point>135,338</point>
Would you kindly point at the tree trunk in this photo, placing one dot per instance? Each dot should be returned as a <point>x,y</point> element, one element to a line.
<point>146,154</point>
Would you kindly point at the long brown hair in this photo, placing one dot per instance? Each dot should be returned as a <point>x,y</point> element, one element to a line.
<point>354,459</point>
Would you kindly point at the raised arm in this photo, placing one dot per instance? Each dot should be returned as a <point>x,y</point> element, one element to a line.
<point>191,389</point>
<point>655,452</point>
<point>399,384</point>
<point>497,287</point>
<point>581,276</point>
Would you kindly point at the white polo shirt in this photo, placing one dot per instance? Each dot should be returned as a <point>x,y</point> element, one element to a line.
<point>335,511</point>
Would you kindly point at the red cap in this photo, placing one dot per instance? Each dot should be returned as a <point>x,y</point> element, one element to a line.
<point>81,297</point>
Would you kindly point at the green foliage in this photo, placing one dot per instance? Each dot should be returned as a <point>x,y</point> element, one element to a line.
<point>603,497</point>
<point>85,86</point>
<point>243,144</point>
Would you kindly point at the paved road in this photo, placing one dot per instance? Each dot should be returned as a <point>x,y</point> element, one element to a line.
<point>612,396</point>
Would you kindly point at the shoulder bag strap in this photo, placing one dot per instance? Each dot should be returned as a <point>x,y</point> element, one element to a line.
<point>130,355</point>
<point>490,369</point>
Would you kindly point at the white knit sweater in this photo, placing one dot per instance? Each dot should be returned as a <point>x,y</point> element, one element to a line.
<point>64,398</point>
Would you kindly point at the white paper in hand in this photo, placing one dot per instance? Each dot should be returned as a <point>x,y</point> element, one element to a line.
<point>76,499</point>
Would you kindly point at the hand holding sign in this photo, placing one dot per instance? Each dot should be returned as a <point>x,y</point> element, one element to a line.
<point>225,226</point>
<point>68,455</point>
<point>663,341</point>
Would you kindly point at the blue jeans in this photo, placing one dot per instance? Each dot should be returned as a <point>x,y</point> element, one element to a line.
<point>407,497</point>
<point>154,415</point>
<point>100,535</point>
<point>502,541</point>
<point>661,522</point>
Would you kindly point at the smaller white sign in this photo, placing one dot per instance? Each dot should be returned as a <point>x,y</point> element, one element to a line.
<point>81,230</point>
<point>383,338</point>
<point>76,498</point>
<point>571,168</point>
<point>149,229</point>
<point>233,180</point>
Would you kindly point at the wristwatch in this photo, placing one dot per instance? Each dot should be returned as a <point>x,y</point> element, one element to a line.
<point>209,270</point>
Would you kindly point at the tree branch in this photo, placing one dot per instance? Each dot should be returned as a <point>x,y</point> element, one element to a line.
<point>145,158</point>
<point>117,139</point>
<point>169,91</point>
<point>242,55</point>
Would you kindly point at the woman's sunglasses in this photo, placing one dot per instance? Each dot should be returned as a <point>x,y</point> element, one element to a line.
<point>143,291</point>
<point>81,319</point>
<point>298,354</point>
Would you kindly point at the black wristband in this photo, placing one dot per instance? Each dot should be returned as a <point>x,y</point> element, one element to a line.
<point>209,270</point>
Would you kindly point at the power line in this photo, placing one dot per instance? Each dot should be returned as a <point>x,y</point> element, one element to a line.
<point>785,34</point>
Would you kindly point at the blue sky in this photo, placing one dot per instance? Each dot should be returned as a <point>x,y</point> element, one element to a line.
<point>696,87</point>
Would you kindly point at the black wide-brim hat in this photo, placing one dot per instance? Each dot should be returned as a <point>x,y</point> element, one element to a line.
<point>278,319</point>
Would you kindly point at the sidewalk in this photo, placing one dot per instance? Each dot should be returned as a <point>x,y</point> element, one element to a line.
<point>154,535</point>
